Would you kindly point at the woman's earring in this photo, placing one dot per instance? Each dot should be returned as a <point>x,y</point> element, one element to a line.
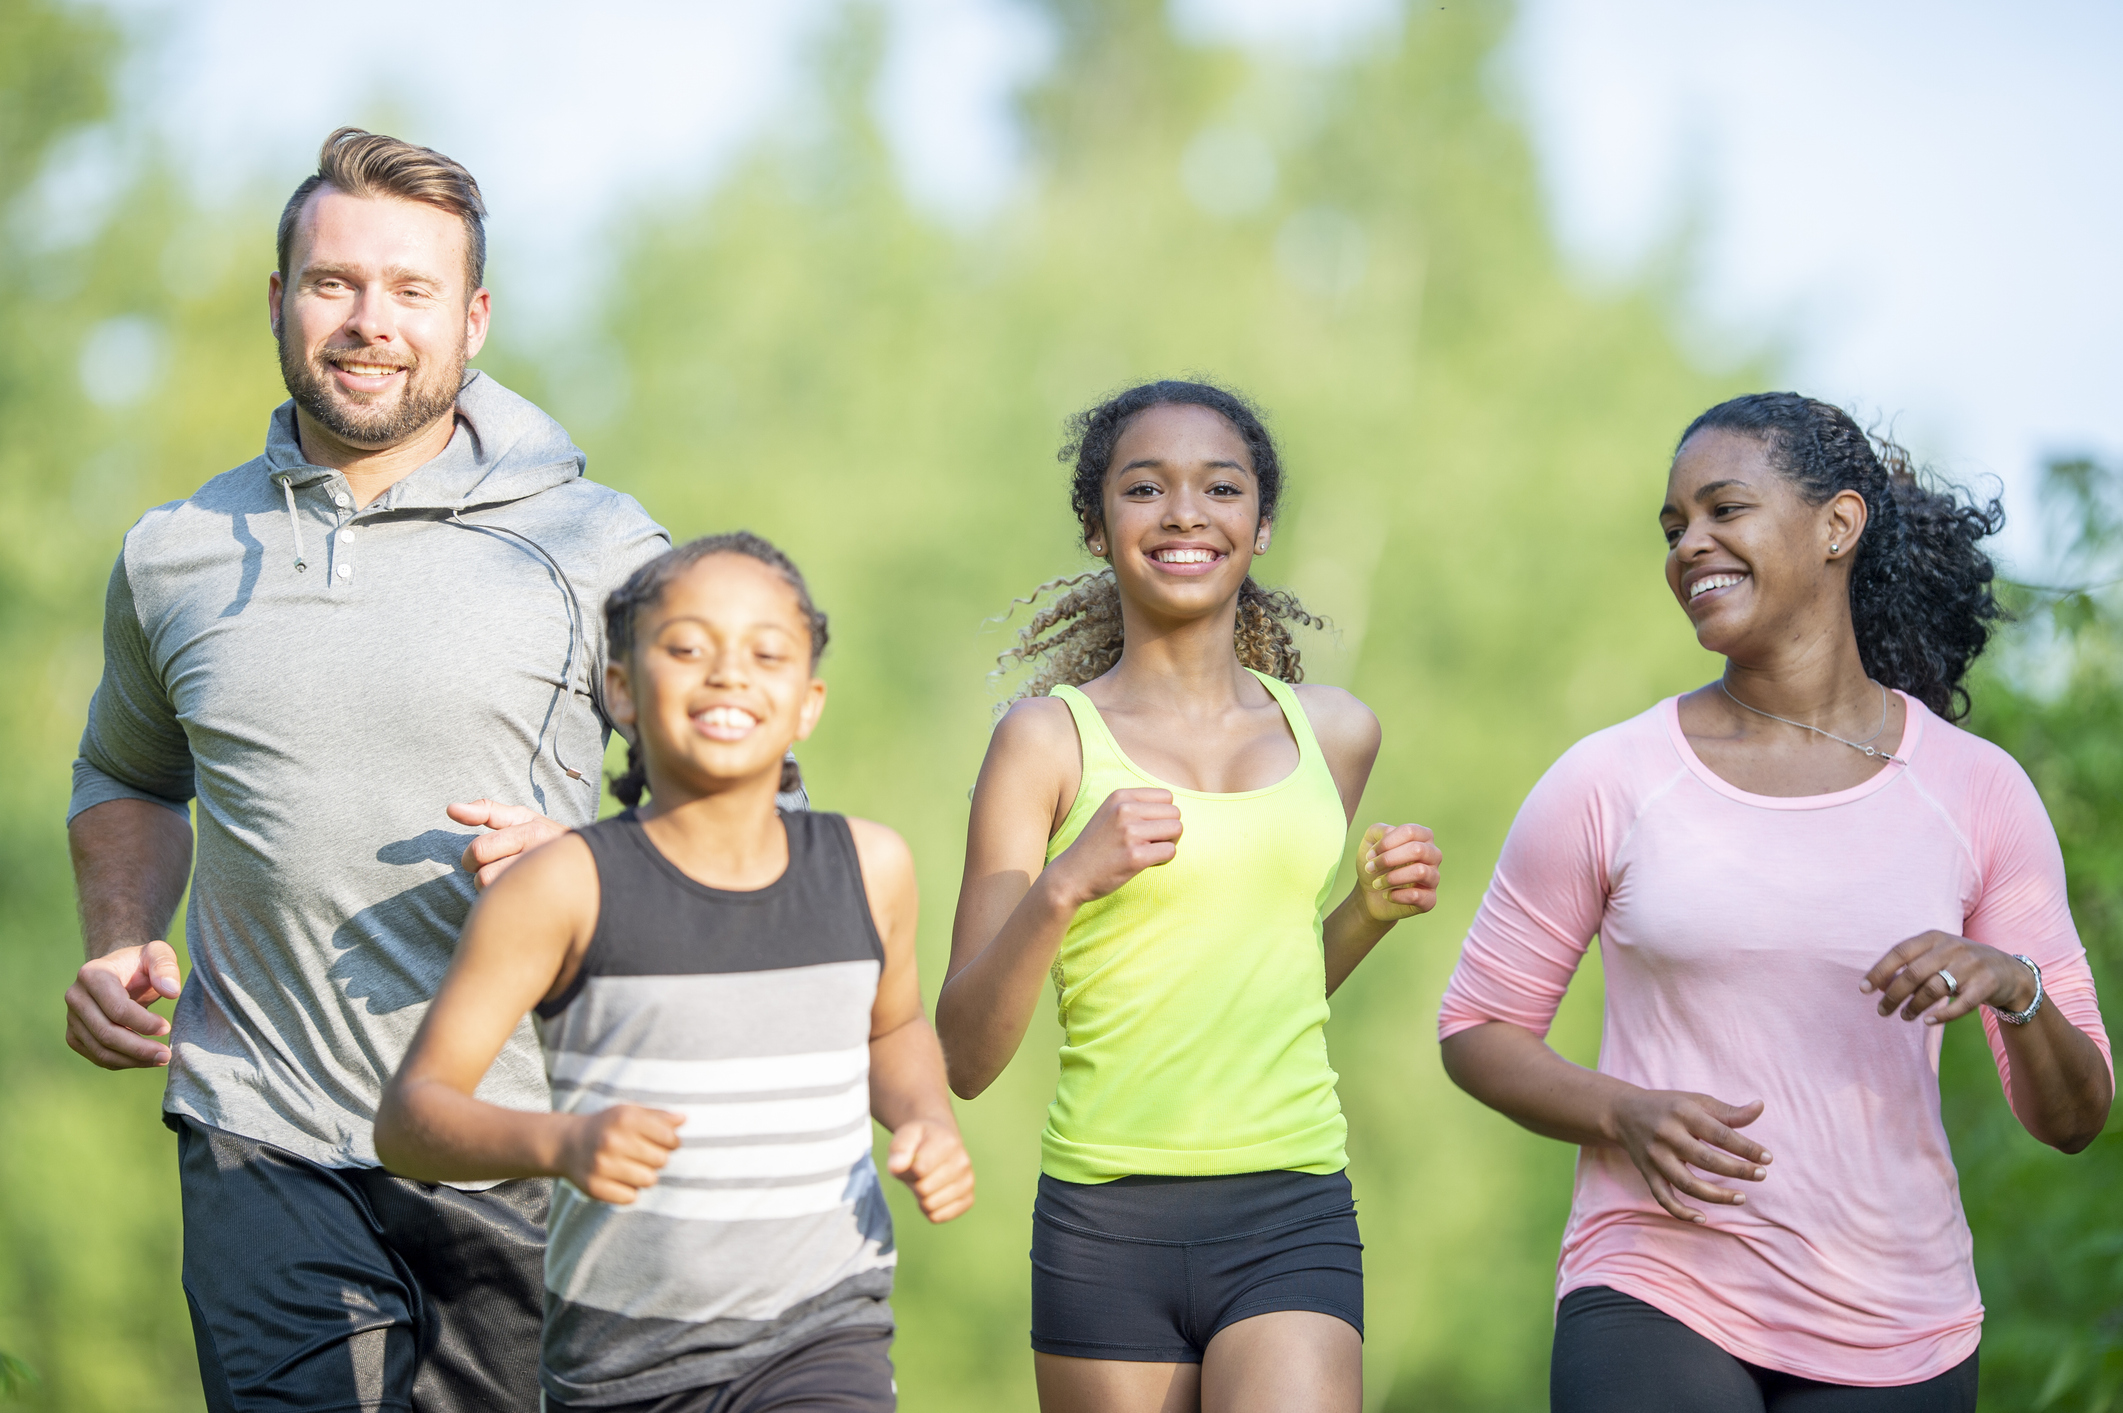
<point>1833,548</point>
<point>1260,547</point>
<point>1097,548</point>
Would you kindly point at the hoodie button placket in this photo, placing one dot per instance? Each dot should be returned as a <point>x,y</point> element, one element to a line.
<point>343,539</point>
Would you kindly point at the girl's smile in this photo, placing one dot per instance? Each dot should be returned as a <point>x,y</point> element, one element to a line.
<point>725,723</point>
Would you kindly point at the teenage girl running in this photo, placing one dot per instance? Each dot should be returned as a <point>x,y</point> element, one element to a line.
<point>1155,832</point>
<point>726,996</point>
<point>1798,875</point>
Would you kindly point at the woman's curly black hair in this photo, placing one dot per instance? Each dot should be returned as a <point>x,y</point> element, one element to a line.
<point>1920,585</point>
<point>1077,636</point>
<point>646,585</point>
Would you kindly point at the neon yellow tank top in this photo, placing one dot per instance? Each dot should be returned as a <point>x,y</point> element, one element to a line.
<point>1193,1001</point>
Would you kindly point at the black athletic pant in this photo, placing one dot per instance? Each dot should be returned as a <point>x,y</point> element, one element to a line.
<point>317,1290</point>
<point>1616,1354</point>
<point>841,1371</point>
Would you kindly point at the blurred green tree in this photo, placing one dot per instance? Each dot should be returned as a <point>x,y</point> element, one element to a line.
<point>1476,446</point>
<point>132,366</point>
<point>2049,1241</point>
<point>1477,451</point>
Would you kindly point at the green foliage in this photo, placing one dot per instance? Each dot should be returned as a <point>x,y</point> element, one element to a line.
<point>88,1203</point>
<point>2049,1242</point>
<point>1475,449</point>
<point>1476,454</point>
<point>16,1377</point>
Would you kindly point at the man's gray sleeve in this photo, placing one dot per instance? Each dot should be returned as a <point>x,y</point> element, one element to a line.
<point>134,747</point>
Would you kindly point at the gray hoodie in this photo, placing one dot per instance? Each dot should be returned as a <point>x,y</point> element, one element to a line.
<point>321,682</point>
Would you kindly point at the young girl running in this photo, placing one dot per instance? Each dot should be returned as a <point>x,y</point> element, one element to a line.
<point>726,997</point>
<point>1786,869</point>
<point>1155,829</point>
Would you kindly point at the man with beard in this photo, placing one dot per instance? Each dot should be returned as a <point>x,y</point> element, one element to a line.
<point>394,607</point>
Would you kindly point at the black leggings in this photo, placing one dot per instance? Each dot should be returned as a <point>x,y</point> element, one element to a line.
<point>1615,1354</point>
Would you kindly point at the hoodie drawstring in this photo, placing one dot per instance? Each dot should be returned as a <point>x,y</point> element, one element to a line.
<point>294,523</point>
<point>575,634</point>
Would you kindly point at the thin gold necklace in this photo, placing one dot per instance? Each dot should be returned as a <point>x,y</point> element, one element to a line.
<point>1865,745</point>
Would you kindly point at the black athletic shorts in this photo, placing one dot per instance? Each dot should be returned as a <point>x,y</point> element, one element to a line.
<point>1149,1269</point>
<point>841,1371</point>
<point>317,1289</point>
<point>1616,1354</point>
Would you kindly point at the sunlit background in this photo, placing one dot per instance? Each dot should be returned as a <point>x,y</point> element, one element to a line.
<point>838,272</point>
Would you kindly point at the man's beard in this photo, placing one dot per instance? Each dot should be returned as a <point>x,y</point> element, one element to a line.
<point>428,394</point>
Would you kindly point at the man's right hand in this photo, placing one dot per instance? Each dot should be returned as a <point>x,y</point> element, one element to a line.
<point>518,829</point>
<point>107,1015</point>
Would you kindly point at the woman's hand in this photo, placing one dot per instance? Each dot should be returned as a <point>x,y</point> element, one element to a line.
<point>613,1154</point>
<point>1669,1134</point>
<point>1910,976</point>
<point>1133,830</point>
<point>1398,867</point>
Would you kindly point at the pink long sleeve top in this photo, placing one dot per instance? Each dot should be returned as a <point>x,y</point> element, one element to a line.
<point>1733,932</point>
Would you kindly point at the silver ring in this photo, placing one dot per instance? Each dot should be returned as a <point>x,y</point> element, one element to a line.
<point>1952,986</point>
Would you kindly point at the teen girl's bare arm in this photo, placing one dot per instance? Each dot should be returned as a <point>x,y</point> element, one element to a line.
<point>907,1091</point>
<point>1397,865</point>
<point>1014,907</point>
<point>524,941</point>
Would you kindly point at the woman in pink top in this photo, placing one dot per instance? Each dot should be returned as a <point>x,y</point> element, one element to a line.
<point>1799,873</point>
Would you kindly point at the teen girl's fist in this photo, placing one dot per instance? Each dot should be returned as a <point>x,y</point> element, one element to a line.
<point>613,1154</point>
<point>1133,830</point>
<point>1399,865</point>
<point>1674,1137</point>
<point>929,1157</point>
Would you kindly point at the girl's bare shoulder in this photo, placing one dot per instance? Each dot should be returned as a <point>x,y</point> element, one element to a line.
<point>1034,726</point>
<point>1339,718</point>
<point>561,863</point>
<point>880,848</point>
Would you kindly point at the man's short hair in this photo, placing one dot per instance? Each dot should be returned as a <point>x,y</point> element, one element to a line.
<point>363,163</point>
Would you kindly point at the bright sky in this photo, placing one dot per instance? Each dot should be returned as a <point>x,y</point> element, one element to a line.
<point>1912,205</point>
<point>1917,203</point>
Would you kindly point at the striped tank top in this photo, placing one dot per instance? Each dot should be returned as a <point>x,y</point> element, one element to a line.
<point>1193,1000</point>
<point>749,1013</point>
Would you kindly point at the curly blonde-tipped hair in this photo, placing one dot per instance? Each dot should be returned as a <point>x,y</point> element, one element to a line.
<point>1077,635</point>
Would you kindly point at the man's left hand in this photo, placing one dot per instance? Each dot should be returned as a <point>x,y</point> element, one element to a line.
<point>518,829</point>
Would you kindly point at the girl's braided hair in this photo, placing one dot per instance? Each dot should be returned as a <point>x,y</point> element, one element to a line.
<point>1078,636</point>
<point>645,586</point>
<point>1920,586</point>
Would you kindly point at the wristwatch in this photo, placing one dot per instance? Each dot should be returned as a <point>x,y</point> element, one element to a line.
<point>2023,1017</point>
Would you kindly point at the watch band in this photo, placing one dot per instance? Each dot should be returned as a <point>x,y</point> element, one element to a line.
<point>2023,1017</point>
